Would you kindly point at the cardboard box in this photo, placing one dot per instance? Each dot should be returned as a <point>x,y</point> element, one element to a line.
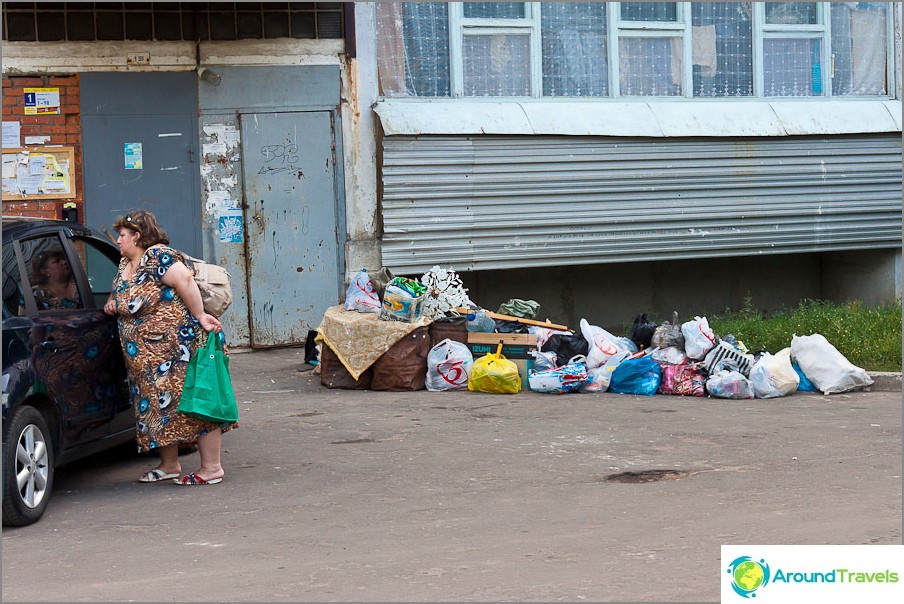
<point>516,347</point>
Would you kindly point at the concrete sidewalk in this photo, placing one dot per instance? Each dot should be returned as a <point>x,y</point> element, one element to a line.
<point>336,495</point>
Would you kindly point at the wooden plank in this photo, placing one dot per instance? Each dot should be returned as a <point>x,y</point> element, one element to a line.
<point>495,315</point>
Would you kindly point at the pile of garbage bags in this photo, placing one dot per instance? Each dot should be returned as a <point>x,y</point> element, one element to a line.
<point>679,358</point>
<point>686,359</point>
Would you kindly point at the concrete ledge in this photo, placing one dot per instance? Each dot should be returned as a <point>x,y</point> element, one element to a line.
<point>885,381</point>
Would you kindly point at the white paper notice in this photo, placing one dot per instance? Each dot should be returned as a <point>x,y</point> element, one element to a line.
<point>9,166</point>
<point>219,199</point>
<point>36,164</point>
<point>12,135</point>
<point>214,149</point>
<point>231,136</point>
<point>215,131</point>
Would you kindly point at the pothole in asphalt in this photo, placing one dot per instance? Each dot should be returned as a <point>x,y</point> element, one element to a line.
<point>647,476</point>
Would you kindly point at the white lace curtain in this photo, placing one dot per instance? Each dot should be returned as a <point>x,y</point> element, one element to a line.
<point>414,51</point>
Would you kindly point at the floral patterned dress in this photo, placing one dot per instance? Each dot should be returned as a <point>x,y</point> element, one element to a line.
<point>158,336</point>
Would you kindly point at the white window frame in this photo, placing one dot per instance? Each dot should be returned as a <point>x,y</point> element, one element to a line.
<point>459,26</point>
<point>619,28</point>
<point>762,31</point>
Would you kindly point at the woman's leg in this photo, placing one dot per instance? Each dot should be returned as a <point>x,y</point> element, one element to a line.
<point>209,449</point>
<point>169,465</point>
<point>169,459</point>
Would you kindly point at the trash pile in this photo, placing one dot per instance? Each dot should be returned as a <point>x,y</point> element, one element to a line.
<point>395,333</point>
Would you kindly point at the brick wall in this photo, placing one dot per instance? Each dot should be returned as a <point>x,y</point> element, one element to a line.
<point>63,129</point>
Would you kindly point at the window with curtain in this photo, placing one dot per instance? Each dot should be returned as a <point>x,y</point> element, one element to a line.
<point>634,49</point>
<point>575,59</point>
<point>859,48</point>
<point>722,49</point>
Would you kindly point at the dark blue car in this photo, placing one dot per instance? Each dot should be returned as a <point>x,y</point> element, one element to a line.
<point>65,393</point>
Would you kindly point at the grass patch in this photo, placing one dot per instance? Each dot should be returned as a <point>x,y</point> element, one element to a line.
<point>870,337</point>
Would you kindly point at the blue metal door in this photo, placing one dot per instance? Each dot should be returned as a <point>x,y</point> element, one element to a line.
<point>291,217</point>
<point>140,138</point>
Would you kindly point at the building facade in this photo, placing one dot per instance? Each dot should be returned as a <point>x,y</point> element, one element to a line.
<point>601,158</point>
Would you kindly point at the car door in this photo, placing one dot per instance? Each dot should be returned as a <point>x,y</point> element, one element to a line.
<point>75,350</point>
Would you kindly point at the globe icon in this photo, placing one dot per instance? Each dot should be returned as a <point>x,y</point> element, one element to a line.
<point>748,575</point>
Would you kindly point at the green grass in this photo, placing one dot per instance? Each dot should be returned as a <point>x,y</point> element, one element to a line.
<point>870,337</point>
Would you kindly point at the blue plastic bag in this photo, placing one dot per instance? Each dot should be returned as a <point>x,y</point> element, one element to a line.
<point>805,384</point>
<point>636,376</point>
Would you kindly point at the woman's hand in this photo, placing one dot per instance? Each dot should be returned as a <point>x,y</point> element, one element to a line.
<point>110,307</point>
<point>210,323</point>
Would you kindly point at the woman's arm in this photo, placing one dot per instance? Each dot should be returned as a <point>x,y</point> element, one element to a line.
<point>180,278</point>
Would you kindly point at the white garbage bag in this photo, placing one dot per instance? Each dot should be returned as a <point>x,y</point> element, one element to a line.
<point>602,344</point>
<point>729,384</point>
<point>361,296</point>
<point>698,338</point>
<point>601,377</point>
<point>448,366</point>
<point>828,369</point>
<point>773,376</point>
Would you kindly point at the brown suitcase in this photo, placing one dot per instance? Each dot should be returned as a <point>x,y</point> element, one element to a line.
<point>453,329</point>
<point>404,366</point>
<point>333,373</point>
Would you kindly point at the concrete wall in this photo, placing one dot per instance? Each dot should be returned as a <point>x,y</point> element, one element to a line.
<point>871,276</point>
<point>611,295</point>
<point>359,139</point>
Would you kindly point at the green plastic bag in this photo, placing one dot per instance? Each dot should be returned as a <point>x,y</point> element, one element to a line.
<point>516,307</point>
<point>208,393</point>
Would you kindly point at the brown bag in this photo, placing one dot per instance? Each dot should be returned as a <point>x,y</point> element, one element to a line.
<point>333,373</point>
<point>404,366</point>
<point>452,328</point>
<point>380,279</point>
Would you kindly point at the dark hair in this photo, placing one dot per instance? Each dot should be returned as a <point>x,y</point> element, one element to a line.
<point>145,224</point>
<point>39,260</point>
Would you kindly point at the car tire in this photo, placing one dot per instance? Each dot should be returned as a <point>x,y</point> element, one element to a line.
<point>27,467</point>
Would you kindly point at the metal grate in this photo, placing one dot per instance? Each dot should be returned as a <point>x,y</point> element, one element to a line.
<point>93,21</point>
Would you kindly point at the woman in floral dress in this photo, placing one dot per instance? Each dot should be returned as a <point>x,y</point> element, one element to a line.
<point>161,324</point>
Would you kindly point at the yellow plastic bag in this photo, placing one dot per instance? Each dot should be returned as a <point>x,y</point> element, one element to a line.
<point>494,373</point>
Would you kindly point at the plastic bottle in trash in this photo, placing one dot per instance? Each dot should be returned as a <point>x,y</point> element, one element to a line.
<point>479,321</point>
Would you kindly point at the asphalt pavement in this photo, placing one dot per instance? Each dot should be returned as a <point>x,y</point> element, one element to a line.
<point>338,495</point>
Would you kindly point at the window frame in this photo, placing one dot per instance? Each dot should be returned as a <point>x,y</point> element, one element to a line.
<point>461,26</point>
<point>530,25</point>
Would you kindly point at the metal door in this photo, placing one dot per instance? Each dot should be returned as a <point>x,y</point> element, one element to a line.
<point>291,213</point>
<point>140,138</point>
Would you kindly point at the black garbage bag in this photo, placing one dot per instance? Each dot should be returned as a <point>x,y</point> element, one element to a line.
<point>503,326</point>
<point>310,348</point>
<point>566,346</point>
<point>642,331</point>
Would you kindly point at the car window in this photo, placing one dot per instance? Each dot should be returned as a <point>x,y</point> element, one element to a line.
<point>100,262</point>
<point>49,274</point>
<point>12,282</point>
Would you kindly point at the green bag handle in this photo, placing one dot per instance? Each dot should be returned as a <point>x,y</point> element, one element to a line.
<point>214,345</point>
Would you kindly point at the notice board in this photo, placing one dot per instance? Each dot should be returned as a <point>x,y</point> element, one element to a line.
<point>38,173</point>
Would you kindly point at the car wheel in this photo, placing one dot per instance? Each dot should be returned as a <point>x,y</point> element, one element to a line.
<point>27,467</point>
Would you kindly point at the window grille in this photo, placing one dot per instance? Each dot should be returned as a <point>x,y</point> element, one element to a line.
<point>635,49</point>
<point>101,21</point>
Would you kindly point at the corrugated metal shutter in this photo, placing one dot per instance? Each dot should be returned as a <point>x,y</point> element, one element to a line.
<point>495,202</point>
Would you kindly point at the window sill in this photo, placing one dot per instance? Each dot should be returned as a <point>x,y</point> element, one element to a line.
<point>710,118</point>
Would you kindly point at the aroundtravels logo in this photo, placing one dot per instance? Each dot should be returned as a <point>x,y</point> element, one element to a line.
<point>748,575</point>
<point>829,574</point>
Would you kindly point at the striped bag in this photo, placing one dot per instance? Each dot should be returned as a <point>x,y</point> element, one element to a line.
<point>725,356</point>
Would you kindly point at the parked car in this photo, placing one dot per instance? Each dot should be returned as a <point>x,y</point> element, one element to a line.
<point>65,392</point>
